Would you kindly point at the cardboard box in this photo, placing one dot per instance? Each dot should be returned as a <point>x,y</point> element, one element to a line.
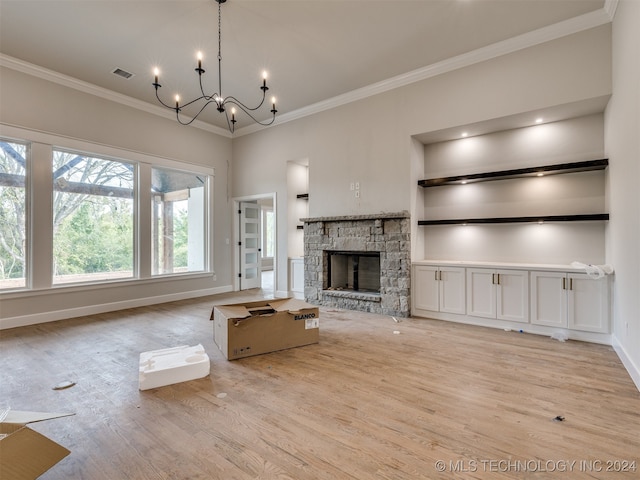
<point>245,329</point>
<point>172,365</point>
<point>24,453</point>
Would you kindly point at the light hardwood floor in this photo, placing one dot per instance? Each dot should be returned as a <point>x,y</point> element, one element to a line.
<point>364,403</point>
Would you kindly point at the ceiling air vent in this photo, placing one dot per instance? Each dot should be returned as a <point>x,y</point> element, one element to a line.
<point>122,73</point>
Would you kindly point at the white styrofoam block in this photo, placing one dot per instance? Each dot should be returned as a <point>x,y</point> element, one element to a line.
<point>172,365</point>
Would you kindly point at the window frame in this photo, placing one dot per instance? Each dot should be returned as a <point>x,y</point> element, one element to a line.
<point>39,199</point>
<point>27,213</point>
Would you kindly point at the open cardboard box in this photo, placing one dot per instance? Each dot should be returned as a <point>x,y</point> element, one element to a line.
<point>24,453</point>
<point>245,329</point>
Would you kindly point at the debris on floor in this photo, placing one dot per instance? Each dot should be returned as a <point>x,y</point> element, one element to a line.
<point>63,385</point>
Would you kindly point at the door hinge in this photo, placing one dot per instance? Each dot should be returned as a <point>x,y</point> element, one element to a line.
<point>239,244</point>
<point>239,275</point>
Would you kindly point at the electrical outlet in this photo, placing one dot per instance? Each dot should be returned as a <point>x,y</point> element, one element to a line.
<point>357,185</point>
<point>357,193</point>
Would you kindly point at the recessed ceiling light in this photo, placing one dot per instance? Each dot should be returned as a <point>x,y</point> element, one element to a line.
<point>463,182</point>
<point>464,134</point>
<point>539,120</point>
<point>541,174</point>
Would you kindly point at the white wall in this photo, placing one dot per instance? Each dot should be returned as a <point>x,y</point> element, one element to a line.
<point>370,140</point>
<point>38,107</point>
<point>622,144</point>
<point>558,142</point>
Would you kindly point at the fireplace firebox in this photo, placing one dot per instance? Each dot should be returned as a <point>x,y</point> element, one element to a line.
<point>353,271</point>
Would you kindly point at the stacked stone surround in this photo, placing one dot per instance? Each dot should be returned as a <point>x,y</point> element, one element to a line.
<point>387,233</point>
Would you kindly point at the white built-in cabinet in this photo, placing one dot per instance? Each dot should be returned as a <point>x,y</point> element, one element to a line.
<point>537,299</point>
<point>570,300</point>
<point>441,288</point>
<point>296,275</point>
<point>494,293</point>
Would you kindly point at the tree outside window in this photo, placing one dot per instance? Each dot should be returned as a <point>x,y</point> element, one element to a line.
<point>93,218</point>
<point>13,210</point>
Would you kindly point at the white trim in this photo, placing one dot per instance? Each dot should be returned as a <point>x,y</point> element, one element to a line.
<point>25,320</point>
<point>610,7</point>
<point>25,134</point>
<point>235,236</point>
<point>520,42</point>
<point>82,86</point>
<point>570,26</point>
<point>632,368</point>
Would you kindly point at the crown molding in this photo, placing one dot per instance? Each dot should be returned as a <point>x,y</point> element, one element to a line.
<point>536,37</point>
<point>610,7</point>
<point>85,87</point>
<point>520,42</point>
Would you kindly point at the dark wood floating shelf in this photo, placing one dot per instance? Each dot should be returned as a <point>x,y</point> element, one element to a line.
<point>300,227</point>
<point>303,195</point>
<point>575,167</point>
<point>542,218</point>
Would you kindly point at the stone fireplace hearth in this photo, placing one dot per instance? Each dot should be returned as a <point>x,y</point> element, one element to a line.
<point>387,234</point>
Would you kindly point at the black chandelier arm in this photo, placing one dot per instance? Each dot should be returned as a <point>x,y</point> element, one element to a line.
<point>249,110</point>
<point>208,99</point>
<point>160,100</point>
<point>177,110</point>
<point>204,95</point>
<point>237,102</point>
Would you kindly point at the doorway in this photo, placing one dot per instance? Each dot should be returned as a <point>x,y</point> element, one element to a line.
<point>255,243</point>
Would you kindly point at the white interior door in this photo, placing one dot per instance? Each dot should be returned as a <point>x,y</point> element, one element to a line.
<point>250,246</point>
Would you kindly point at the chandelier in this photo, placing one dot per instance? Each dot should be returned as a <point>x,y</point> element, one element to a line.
<point>221,102</point>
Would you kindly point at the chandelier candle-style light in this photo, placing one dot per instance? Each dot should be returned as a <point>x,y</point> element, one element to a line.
<point>218,99</point>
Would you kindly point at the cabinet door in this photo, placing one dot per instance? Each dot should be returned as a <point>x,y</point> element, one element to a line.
<point>512,297</point>
<point>452,292</point>
<point>588,303</point>
<point>548,299</point>
<point>425,288</point>
<point>481,292</point>
<point>296,275</point>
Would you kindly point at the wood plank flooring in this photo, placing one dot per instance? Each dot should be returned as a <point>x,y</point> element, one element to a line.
<point>364,403</point>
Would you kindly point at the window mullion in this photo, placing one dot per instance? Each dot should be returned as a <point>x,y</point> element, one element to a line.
<point>40,224</point>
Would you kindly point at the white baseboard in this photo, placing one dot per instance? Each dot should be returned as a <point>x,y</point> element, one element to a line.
<point>632,368</point>
<point>45,317</point>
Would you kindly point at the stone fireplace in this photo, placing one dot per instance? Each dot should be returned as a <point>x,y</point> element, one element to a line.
<point>359,262</point>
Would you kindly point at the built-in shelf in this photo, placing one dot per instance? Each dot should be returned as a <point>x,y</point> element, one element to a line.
<point>539,219</point>
<point>304,196</point>
<point>574,167</point>
<point>300,227</point>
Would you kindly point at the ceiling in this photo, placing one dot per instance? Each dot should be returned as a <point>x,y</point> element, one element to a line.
<point>314,50</point>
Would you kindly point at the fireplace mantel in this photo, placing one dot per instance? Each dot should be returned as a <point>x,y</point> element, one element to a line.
<point>374,216</point>
<point>385,233</point>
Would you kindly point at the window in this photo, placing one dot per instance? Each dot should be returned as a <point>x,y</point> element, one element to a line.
<point>93,218</point>
<point>13,208</point>
<point>179,201</point>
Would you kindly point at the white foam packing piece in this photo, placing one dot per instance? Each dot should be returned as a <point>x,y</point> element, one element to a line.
<point>172,365</point>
